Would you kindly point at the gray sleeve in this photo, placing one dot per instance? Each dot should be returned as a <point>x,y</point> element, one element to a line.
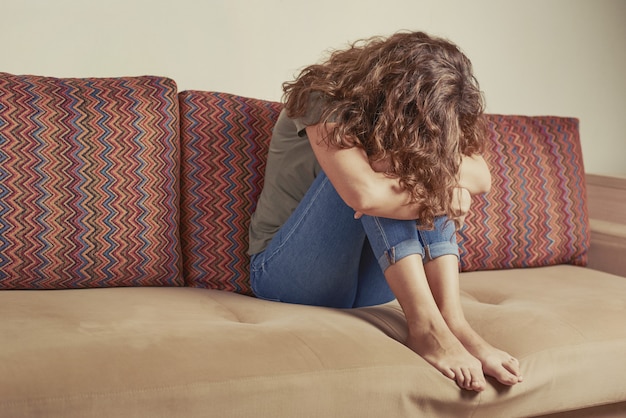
<point>313,114</point>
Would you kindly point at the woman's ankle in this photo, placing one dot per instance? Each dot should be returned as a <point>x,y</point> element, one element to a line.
<point>468,336</point>
<point>455,320</point>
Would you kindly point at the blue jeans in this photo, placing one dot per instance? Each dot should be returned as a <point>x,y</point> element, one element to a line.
<point>323,256</point>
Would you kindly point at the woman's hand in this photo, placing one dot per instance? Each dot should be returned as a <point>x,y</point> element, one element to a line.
<point>461,202</point>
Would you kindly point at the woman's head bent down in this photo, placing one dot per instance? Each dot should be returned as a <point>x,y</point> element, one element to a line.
<point>410,100</point>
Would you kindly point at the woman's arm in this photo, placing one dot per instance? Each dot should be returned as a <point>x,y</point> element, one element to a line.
<point>370,191</point>
<point>474,174</point>
<point>363,189</point>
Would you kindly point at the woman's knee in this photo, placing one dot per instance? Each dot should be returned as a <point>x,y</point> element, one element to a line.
<point>391,239</point>
<point>441,240</point>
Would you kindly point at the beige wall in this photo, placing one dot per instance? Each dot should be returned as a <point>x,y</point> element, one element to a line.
<point>559,57</point>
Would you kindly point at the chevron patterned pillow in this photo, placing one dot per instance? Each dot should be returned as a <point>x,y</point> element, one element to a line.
<point>536,213</point>
<point>88,182</point>
<point>224,145</point>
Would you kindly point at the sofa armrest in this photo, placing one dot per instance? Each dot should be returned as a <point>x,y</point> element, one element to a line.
<point>607,217</point>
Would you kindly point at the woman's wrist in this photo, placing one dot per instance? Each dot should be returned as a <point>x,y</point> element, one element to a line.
<point>461,203</point>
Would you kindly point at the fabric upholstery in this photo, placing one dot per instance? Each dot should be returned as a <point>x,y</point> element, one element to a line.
<point>536,213</point>
<point>163,352</point>
<point>224,145</point>
<point>88,182</point>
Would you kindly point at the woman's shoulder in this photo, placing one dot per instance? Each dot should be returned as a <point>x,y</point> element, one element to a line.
<point>296,126</point>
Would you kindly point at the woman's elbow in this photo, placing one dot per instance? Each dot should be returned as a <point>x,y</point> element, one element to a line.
<point>474,175</point>
<point>359,203</point>
<point>481,186</point>
<point>485,184</point>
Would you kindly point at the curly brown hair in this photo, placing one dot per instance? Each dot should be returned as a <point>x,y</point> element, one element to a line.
<point>410,99</point>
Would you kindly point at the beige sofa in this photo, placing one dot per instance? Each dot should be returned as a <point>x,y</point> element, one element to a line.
<point>181,336</point>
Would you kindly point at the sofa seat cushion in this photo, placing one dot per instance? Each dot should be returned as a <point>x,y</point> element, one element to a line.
<point>195,352</point>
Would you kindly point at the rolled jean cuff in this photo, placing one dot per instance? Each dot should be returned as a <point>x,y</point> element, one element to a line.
<point>398,252</point>
<point>438,249</point>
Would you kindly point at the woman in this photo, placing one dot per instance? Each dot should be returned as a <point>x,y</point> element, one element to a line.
<point>371,168</point>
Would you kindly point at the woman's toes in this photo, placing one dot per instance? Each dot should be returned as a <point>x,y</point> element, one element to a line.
<point>504,368</point>
<point>471,380</point>
<point>512,366</point>
<point>478,386</point>
<point>504,376</point>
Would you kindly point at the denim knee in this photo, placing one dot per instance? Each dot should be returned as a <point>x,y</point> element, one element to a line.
<point>399,251</point>
<point>391,239</point>
<point>441,240</point>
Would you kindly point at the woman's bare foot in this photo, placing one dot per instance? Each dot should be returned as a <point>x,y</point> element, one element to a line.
<point>443,279</point>
<point>438,346</point>
<point>495,363</point>
<point>429,335</point>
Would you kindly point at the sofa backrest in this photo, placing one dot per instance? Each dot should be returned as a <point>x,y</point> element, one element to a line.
<point>224,140</point>
<point>536,212</point>
<point>534,215</point>
<point>101,180</point>
<point>88,182</point>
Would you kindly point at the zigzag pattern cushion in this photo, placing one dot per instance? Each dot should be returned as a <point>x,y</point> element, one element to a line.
<point>88,182</point>
<point>535,214</point>
<point>224,145</point>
